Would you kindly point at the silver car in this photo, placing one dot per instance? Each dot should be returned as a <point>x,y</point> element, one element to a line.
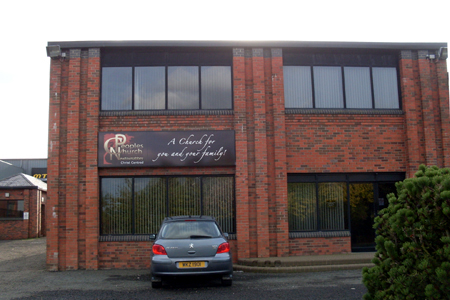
<point>190,245</point>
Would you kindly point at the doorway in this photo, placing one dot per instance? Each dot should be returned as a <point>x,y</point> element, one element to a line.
<point>366,200</point>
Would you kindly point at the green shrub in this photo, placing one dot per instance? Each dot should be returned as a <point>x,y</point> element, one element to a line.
<point>413,240</point>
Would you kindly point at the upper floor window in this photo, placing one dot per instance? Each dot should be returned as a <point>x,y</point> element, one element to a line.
<point>354,81</point>
<point>166,80</point>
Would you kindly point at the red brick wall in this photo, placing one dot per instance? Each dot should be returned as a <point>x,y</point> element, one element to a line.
<point>345,143</point>
<point>15,229</point>
<point>132,255</point>
<point>269,145</point>
<point>319,246</point>
<point>23,229</point>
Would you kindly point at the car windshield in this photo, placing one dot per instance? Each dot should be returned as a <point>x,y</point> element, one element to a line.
<point>190,230</point>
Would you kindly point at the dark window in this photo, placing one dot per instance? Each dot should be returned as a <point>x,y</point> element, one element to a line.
<point>184,230</point>
<point>11,208</point>
<point>166,81</point>
<point>150,88</point>
<point>138,205</point>
<point>298,87</point>
<point>357,87</point>
<point>117,88</point>
<point>183,88</point>
<point>327,202</point>
<point>340,81</point>
<point>316,207</point>
<point>328,87</point>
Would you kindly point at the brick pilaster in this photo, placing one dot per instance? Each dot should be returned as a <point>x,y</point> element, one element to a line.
<point>443,93</point>
<point>92,180</point>
<point>72,177</point>
<point>261,180</point>
<point>281,198</point>
<point>52,213</point>
<point>411,111</point>
<point>241,177</point>
<point>428,106</point>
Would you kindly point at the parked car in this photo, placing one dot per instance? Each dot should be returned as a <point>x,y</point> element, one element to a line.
<point>190,245</point>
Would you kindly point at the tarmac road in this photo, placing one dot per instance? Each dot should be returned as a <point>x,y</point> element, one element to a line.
<point>23,276</point>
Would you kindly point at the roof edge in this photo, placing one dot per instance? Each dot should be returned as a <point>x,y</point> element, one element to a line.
<point>21,188</point>
<point>279,44</point>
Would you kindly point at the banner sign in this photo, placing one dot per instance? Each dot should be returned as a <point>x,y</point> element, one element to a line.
<point>166,148</point>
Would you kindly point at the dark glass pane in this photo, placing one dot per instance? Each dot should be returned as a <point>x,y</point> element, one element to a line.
<point>150,196</point>
<point>183,88</point>
<point>362,214</point>
<point>297,87</point>
<point>216,87</point>
<point>184,196</point>
<point>183,58</point>
<point>328,59</point>
<point>116,206</point>
<point>328,87</point>
<point>385,88</point>
<point>11,209</point>
<point>297,58</point>
<point>358,90</point>
<point>150,59</point>
<point>384,189</point>
<point>216,58</point>
<point>332,200</point>
<point>184,230</point>
<point>218,201</point>
<point>302,207</point>
<point>116,88</point>
<point>150,88</point>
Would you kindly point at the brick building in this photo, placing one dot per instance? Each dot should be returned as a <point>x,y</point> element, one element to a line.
<point>292,146</point>
<point>22,207</point>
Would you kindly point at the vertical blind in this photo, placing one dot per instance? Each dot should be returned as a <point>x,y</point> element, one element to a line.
<point>218,200</point>
<point>328,87</point>
<point>358,92</point>
<point>116,88</point>
<point>216,87</point>
<point>184,196</point>
<point>138,205</point>
<point>385,88</point>
<point>297,87</point>
<point>309,211</point>
<point>116,206</point>
<point>150,88</point>
<point>332,197</point>
<point>183,89</point>
<point>151,205</point>
<point>302,209</point>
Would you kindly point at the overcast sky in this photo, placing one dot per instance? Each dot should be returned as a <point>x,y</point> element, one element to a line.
<point>27,26</point>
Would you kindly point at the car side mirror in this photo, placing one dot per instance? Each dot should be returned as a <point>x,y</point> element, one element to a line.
<point>225,235</point>
<point>152,237</point>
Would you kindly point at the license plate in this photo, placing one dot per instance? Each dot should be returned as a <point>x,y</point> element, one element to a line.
<point>191,264</point>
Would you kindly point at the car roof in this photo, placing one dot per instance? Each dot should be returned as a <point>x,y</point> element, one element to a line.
<point>190,218</point>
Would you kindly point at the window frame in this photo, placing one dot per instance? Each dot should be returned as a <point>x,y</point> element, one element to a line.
<point>7,212</point>
<point>167,58</point>
<point>297,58</point>
<point>167,203</point>
<point>347,178</point>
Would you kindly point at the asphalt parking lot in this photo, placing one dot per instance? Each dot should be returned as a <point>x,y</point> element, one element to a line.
<point>23,276</point>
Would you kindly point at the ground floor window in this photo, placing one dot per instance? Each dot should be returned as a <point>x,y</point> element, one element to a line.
<point>338,202</point>
<point>315,207</point>
<point>11,209</point>
<point>138,205</point>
